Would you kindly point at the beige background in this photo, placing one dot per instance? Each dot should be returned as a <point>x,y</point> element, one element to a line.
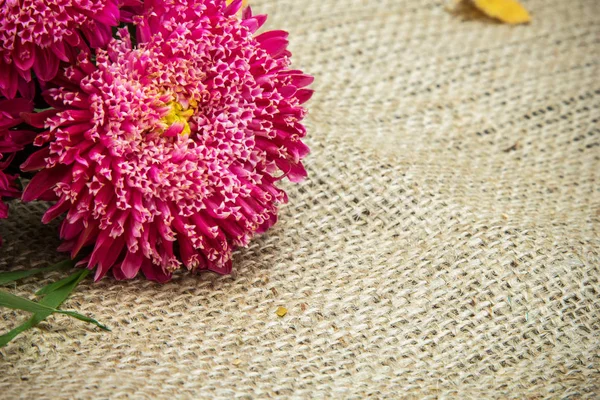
<point>446,244</point>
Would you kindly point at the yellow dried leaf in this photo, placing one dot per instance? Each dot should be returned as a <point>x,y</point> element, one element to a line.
<point>244,3</point>
<point>281,311</point>
<point>237,362</point>
<point>509,11</point>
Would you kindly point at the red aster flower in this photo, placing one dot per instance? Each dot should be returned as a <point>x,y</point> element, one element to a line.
<point>37,34</point>
<point>167,154</point>
<point>12,139</point>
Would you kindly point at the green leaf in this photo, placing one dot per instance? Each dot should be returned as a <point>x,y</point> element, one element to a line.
<point>56,285</point>
<point>52,300</point>
<point>7,277</point>
<point>37,110</point>
<point>21,303</point>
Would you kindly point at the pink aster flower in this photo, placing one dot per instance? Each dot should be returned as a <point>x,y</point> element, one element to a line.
<point>39,34</point>
<point>12,139</point>
<point>167,154</point>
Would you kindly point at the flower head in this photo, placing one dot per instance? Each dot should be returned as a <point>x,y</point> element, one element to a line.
<point>39,34</point>
<point>167,154</point>
<point>12,139</point>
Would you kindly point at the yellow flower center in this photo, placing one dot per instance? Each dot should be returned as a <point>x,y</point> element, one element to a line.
<point>178,115</point>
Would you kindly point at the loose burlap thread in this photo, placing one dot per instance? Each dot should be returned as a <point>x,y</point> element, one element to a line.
<point>446,243</point>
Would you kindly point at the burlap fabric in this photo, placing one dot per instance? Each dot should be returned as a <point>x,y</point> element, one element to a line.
<point>445,245</point>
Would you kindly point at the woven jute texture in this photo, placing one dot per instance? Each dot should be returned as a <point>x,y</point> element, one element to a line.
<point>445,245</point>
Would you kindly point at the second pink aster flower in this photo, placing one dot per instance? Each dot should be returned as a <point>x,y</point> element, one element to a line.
<point>38,34</point>
<point>12,140</point>
<point>167,154</point>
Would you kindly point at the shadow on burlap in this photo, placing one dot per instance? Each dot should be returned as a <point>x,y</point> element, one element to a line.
<point>446,243</point>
